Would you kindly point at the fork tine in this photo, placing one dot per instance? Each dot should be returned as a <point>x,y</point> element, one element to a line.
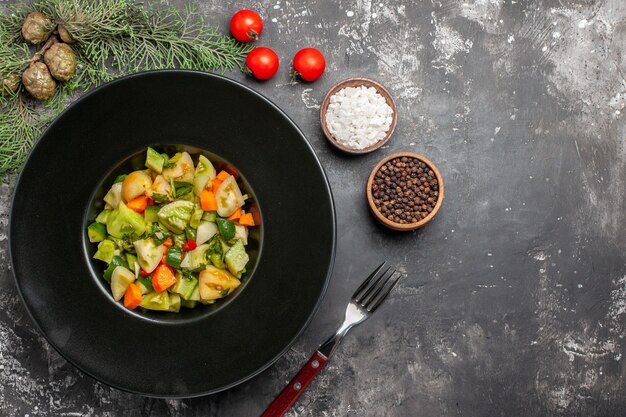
<point>377,287</point>
<point>376,303</point>
<point>367,281</point>
<point>372,286</point>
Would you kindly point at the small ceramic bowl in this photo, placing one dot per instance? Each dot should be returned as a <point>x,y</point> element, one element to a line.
<point>356,82</point>
<point>409,226</point>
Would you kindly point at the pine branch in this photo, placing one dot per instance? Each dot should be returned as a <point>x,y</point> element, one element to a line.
<point>118,37</point>
<point>13,58</point>
<point>114,38</point>
<point>20,125</point>
<point>11,19</point>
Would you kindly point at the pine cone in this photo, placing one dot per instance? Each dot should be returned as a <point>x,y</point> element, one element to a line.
<point>61,61</point>
<point>37,28</point>
<point>9,85</point>
<point>65,35</point>
<point>38,81</point>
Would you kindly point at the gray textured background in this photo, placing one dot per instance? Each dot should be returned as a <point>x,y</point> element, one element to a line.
<point>515,299</point>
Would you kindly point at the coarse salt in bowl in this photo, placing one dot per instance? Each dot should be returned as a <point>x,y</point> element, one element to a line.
<point>358,115</point>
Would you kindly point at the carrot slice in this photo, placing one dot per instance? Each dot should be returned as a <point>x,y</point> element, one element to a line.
<point>168,242</point>
<point>237,214</point>
<point>223,176</point>
<point>215,184</point>
<point>132,296</point>
<point>163,278</point>
<point>207,200</point>
<point>138,204</point>
<point>232,171</point>
<point>246,220</point>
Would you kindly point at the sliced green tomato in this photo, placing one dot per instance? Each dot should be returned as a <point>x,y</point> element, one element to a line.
<point>175,216</point>
<point>120,280</point>
<point>115,262</point>
<point>226,228</point>
<point>156,301</point>
<point>114,196</point>
<point>103,216</point>
<point>196,216</point>
<point>205,231</point>
<point>161,190</point>
<point>173,256</point>
<point>228,197</point>
<point>185,285</point>
<point>236,258</point>
<point>204,172</point>
<point>106,251</point>
<point>124,221</point>
<point>241,233</point>
<point>96,232</point>
<point>199,184</point>
<point>136,184</point>
<point>188,303</point>
<point>205,167</point>
<point>174,303</point>
<point>148,254</point>
<point>195,259</point>
<point>145,284</point>
<point>182,170</point>
<point>216,283</point>
<point>154,161</point>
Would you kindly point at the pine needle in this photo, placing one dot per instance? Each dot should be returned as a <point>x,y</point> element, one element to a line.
<point>19,126</point>
<point>120,36</point>
<point>114,38</point>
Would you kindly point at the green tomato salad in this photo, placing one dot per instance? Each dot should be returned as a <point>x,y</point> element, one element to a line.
<point>173,235</point>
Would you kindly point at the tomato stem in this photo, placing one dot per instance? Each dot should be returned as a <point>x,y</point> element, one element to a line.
<point>294,75</point>
<point>253,35</point>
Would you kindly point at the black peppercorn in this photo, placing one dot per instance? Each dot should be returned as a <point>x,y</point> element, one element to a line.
<point>405,190</point>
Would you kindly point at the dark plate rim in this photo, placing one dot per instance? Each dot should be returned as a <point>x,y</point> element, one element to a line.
<point>333,219</point>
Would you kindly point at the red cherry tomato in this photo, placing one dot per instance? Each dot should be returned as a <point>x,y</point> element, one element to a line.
<point>246,25</point>
<point>263,62</point>
<point>309,63</point>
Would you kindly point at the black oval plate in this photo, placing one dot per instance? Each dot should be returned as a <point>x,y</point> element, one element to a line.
<point>172,358</point>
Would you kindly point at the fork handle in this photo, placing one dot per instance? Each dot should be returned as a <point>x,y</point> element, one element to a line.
<point>296,386</point>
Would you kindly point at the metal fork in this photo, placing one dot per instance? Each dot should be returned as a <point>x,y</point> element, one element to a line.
<point>365,300</point>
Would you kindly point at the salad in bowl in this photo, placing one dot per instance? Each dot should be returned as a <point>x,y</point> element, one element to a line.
<point>173,234</point>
